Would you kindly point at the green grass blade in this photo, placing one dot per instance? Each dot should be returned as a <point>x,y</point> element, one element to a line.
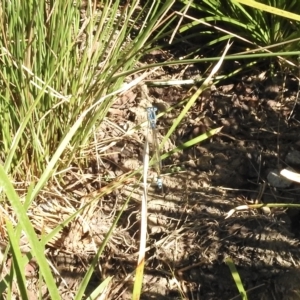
<point>194,97</point>
<point>214,59</point>
<point>36,245</point>
<point>270,9</point>
<point>4,283</point>
<point>192,142</point>
<point>236,277</point>
<point>89,273</point>
<point>18,261</point>
<point>100,289</point>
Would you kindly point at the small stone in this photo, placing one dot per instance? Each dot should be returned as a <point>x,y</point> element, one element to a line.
<point>293,158</point>
<point>278,181</point>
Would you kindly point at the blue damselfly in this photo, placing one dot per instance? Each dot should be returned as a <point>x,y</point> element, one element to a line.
<point>151,113</point>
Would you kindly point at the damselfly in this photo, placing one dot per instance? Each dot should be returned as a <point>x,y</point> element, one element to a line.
<point>151,113</point>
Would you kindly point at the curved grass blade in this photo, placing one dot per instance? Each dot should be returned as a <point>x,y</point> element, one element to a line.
<point>236,278</point>
<point>270,9</point>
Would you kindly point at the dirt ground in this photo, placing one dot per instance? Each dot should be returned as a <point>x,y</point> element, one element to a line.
<point>189,234</point>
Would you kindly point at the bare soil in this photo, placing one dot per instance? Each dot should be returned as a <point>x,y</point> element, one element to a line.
<point>190,237</point>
